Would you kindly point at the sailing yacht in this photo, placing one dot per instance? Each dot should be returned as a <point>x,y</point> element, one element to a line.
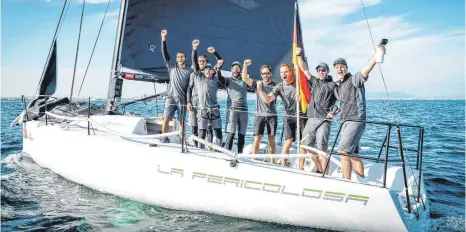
<point>90,144</point>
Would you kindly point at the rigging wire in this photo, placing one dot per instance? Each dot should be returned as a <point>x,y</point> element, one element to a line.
<point>77,52</point>
<point>380,67</point>
<point>66,12</point>
<point>93,49</point>
<point>54,38</point>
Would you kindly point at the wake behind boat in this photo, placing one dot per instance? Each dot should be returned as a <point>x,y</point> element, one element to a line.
<point>90,144</point>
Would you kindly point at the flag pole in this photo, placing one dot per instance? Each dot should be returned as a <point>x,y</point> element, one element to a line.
<point>295,40</point>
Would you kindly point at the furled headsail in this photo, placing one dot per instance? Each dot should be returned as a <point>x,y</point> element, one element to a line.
<point>48,83</point>
<point>260,30</point>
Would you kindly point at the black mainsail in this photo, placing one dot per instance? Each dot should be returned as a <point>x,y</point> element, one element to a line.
<point>260,30</point>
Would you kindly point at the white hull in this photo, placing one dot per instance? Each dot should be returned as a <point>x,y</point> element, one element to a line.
<point>164,176</point>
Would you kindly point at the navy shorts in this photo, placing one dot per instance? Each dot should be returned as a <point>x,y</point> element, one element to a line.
<point>261,122</point>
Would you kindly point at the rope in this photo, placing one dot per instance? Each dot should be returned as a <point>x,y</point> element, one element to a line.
<point>242,111</point>
<point>93,49</point>
<point>319,152</point>
<point>214,146</point>
<point>380,67</point>
<point>84,118</point>
<point>174,133</point>
<point>286,156</point>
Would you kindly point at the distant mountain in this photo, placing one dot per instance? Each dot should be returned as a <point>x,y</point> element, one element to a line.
<point>393,95</point>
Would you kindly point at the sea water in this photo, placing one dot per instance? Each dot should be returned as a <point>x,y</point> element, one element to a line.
<point>34,198</point>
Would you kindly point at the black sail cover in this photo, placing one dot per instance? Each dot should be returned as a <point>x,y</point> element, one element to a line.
<point>260,30</point>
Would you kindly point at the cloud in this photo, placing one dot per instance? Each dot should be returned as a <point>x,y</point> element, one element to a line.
<point>96,18</point>
<point>111,14</point>
<point>418,61</point>
<point>331,8</point>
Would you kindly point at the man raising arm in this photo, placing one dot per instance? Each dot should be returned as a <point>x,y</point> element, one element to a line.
<point>287,91</point>
<point>353,107</point>
<point>266,113</point>
<point>177,88</point>
<point>324,96</point>
<point>237,113</point>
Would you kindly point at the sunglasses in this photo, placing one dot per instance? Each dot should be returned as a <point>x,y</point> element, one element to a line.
<point>321,70</point>
<point>266,73</point>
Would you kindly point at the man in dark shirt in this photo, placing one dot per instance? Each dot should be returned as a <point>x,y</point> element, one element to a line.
<point>237,105</point>
<point>266,113</point>
<point>178,86</point>
<point>324,95</point>
<point>193,96</point>
<point>353,107</point>
<point>287,91</point>
<point>207,83</point>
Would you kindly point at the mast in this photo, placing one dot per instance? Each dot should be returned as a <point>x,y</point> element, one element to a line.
<point>115,83</point>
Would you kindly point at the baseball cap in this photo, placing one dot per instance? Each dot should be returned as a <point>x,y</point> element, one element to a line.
<point>323,65</point>
<point>340,61</point>
<point>208,65</point>
<point>236,63</point>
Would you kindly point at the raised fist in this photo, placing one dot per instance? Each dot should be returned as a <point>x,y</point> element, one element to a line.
<point>211,50</point>
<point>163,33</point>
<point>247,62</point>
<point>298,51</point>
<point>195,43</point>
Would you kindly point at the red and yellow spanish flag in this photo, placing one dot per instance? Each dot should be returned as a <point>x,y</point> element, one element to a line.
<point>303,88</point>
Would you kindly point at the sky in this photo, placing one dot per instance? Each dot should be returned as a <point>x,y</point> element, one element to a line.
<point>425,53</point>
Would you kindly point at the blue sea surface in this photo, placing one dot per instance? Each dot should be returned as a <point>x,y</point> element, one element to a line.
<point>34,198</point>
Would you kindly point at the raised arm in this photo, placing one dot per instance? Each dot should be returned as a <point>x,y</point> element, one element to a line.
<point>212,51</point>
<point>366,70</point>
<point>244,75</point>
<point>221,79</point>
<point>190,91</point>
<point>165,55</point>
<point>302,64</point>
<point>267,98</point>
<point>195,64</point>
